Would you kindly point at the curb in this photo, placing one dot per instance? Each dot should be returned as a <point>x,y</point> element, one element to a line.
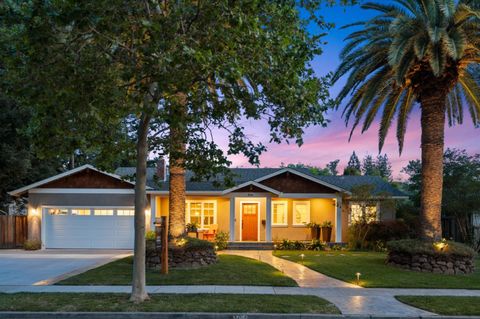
<point>195,315</point>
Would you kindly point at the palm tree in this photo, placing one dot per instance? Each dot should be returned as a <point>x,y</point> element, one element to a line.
<point>415,52</point>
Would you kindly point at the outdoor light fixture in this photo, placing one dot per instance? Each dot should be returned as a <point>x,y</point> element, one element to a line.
<point>440,245</point>
<point>275,247</point>
<point>302,256</point>
<point>216,247</point>
<point>358,277</point>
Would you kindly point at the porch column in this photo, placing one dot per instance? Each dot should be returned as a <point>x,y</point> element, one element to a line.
<point>338,219</point>
<point>153,212</point>
<point>268,220</point>
<point>232,218</point>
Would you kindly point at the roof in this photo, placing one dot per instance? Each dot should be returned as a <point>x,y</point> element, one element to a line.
<point>24,189</point>
<point>247,176</point>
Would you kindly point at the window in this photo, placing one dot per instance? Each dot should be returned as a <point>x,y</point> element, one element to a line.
<point>125,212</point>
<point>81,211</point>
<point>279,213</point>
<point>203,213</point>
<point>358,213</point>
<point>301,213</point>
<point>58,211</point>
<point>103,212</point>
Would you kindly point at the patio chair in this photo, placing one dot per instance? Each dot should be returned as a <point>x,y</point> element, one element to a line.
<point>211,232</point>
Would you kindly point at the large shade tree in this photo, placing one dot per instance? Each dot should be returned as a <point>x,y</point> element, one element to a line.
<point>415,52</point>
<point>176,70</point>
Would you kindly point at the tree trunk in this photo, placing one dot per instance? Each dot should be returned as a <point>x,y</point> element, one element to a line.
<point>177,169</point>
<point>139,291</point>
<point>433,131</point>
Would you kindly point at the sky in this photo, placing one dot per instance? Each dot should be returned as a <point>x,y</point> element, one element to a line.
<point>322,145</point>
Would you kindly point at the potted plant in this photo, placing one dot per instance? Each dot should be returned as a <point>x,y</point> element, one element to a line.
<point>315,230</point>
<point>192,230</point>
<point>326,231</point>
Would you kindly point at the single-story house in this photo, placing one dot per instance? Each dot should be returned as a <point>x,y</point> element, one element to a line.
<point>89,208</point>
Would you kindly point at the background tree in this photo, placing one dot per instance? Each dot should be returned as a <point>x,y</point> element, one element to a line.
<point>369,166</point>
<point>415,52</point>
<point>461,186</point>
<point>332,167</point>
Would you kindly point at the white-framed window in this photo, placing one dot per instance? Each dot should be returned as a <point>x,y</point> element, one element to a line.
<point>103,212</point>
<point>301,213</point>
<point>58,211</point>
<point>361,212</point>
<point>125,212</point>
<point>279,213</point>
<point>203,213</point>
<point>81,211</point>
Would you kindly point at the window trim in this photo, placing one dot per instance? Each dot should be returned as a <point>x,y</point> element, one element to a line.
<point>285,219</point>
<point>187,211</point>
<point>69,209</point>
<point>295,203</point>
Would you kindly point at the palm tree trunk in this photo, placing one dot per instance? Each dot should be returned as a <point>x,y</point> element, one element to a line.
<point>177,196</point>
<point>433,131</point>
<point>139,292</point>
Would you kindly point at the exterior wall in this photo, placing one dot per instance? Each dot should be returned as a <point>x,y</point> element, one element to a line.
<point>223,209</point>
<point>387,211</point>
<point>36,202</point>
<point>321,210</point>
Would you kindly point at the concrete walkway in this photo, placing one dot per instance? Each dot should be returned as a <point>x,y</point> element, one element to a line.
<point>305,277</point>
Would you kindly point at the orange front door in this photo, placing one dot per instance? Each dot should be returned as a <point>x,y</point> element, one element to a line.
<point>250,221</point>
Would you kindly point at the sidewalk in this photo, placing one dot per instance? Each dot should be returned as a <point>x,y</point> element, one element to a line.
<point>367,301</point>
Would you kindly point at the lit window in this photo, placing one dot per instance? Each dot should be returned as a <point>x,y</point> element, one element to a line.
<point>301,213</point>
<point>103,212</point>
<point>202,213</point>
<point>279,213</point>
<point>81,211</point>
<point>125,212</point>
<point>58,211</point>
<point>362,213</point>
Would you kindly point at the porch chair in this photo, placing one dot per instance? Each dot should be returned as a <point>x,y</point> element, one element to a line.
<point>211,232</point>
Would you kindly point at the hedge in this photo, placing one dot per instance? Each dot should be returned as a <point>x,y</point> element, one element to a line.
<point>416,246</point>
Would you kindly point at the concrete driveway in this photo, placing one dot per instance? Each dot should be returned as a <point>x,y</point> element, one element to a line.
<point>43,267</point>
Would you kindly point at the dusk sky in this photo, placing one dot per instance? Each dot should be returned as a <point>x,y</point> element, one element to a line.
<point>323,145</point>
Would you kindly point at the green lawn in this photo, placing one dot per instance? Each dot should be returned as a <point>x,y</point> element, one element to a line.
<point>230,270</point>
<point>374,273</point>
<point>445,305</point>
<point>86,302</point>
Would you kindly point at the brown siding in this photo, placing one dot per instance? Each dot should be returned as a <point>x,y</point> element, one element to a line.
<point>87,179</point>
<point>292,183</point>
<point>250,189</point>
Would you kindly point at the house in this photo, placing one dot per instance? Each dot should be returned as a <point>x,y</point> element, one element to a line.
<point>89,208</point>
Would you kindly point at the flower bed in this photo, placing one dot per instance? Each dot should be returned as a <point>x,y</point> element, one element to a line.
<point>444,257</point>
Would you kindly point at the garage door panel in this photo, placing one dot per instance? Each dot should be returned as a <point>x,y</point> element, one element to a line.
<point>73,231</point>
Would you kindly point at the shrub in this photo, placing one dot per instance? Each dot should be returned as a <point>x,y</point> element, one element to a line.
<point>150,235</point>
<point>327,224</point>
<point>191,243</point>
<point>221,240</point>
<point>299,245</point>
<point>316,245</point>
<point>32,244</point>
<point>375,235</point>
<point>416,246</point>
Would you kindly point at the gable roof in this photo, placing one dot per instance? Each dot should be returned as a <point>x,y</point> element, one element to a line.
<point>22,190</point>
<point>246,176</point>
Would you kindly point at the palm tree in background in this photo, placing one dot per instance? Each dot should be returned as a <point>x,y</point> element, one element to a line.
<point>415,52</point>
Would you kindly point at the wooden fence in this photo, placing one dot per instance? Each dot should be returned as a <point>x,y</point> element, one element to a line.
<point>13,231</point>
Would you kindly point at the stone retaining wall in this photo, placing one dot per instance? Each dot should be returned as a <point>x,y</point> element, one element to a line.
<point>181,257</point>
<point>441,263</point>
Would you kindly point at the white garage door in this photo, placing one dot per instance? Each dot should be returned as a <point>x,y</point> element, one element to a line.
<point>98,227</point>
